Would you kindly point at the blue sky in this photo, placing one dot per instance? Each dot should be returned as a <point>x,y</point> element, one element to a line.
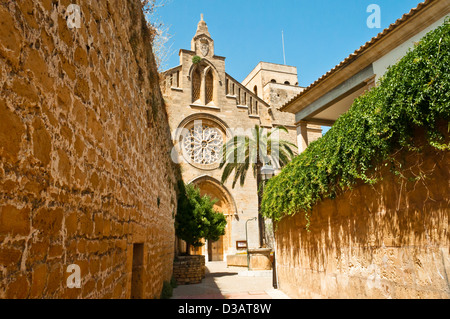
<point>318,34</point>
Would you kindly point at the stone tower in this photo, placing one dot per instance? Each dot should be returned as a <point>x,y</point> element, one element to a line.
<point>277,84</point>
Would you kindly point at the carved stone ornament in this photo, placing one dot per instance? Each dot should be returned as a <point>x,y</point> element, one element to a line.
<point>203,144</point>
<point>204,48</point>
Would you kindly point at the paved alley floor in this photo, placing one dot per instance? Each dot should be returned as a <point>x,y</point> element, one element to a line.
<point>222,282</point>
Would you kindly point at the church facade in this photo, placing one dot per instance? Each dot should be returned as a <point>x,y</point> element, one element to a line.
<point>206,106</point>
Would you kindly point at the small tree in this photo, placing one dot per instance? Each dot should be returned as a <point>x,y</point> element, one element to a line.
<point>196,217</point>
<point>242,153</point>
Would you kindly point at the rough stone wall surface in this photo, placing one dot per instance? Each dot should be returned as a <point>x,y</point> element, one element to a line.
<point>85,170</point>
<point>386,241</point>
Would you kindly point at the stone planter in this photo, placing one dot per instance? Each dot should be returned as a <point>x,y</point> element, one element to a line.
<point>189,269</point>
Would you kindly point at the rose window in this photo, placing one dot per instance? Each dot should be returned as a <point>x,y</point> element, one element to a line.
<point>203,144</point>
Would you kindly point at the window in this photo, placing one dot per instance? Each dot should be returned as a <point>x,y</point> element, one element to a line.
<point>255,90</point>
<point>203,144</point>
<point>273,81</point>
<point>196,84</point>
<point>287,82</point>
<point>209,87</point>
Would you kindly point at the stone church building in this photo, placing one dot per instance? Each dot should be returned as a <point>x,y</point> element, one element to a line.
<point>206,106</point>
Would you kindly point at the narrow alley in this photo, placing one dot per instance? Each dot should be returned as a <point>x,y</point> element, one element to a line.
<point>222,282</point>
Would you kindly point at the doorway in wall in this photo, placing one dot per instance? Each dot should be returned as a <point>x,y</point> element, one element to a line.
<point>137,272</point>
<point>224,204</point>
<point>215,250</point>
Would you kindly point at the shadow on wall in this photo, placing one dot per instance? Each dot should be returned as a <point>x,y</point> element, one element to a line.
<point>389,240</point>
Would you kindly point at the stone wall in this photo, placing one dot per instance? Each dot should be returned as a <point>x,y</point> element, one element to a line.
<point>189,269</point>
<point>386,241</point>
<point>85,172</point>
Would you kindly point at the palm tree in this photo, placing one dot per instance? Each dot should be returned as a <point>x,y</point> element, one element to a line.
<point>261,148</point>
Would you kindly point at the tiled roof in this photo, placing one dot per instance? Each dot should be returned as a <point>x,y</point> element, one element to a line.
<point>362,49</point>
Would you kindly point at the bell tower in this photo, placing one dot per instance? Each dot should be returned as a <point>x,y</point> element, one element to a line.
<point>202,43</point>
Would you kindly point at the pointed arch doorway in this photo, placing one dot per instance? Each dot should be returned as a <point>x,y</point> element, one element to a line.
<point>216,251</point>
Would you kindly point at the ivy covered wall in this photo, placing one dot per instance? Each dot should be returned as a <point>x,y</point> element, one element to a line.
<point>414,93</point>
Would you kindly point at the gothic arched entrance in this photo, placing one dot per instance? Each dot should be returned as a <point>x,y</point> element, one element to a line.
<point>225,204</point>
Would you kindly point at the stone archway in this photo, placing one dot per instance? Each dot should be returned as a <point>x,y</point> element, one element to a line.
<point>225,204</point>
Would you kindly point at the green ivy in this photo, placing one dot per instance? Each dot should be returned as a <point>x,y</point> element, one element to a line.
<point>413,93</point>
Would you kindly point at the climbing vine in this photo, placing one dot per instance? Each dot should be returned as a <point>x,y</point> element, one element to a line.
<point>414,93</point>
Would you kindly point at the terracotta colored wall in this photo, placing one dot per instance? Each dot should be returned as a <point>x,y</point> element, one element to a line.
<point>85,170</point>
<point>386,241</point>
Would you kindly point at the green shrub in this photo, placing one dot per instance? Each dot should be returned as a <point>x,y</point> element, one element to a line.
<point>173,282</point>
<point>167,290</point>
<point>196,59</point>
<point>413,93</point>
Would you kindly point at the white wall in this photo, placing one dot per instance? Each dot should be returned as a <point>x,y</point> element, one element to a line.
<point>380,66</point>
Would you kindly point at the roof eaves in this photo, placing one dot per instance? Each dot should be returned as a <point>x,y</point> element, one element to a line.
<point>359,51</point>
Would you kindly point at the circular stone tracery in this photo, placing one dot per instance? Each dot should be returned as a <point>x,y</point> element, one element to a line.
<point>203,144</point>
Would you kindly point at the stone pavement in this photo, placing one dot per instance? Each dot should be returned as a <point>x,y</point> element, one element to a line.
<point>222,282</point>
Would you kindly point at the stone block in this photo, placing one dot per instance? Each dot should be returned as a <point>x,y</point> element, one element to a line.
<point>12,41</point>
<point>18,288</point>
<point>14,221</point>
<point>48,222</point>
<point>38,280</point>
<point>82,90</point>
<point>38,66</point>
<point>42,146</point>
<point>11,132</point>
